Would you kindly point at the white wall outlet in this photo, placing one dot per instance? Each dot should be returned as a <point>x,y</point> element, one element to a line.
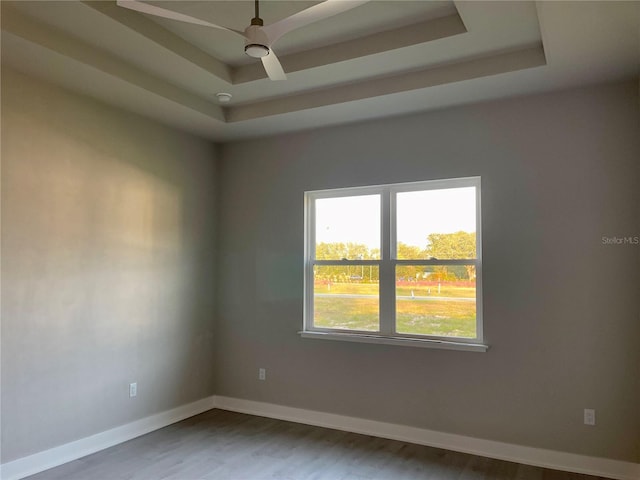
<point>262,374</point>
<point>133,389</point>
<point>589,416</point>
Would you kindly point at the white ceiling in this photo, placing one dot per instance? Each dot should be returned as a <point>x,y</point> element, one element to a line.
<point>381,58</point>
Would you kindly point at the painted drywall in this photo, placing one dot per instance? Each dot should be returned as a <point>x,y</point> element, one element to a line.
<point>561,308</point>
<point>108,231</point>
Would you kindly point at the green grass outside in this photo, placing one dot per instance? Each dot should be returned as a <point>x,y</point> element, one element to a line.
<point>346,313</point>
<point>446,318</point>
<point>426,317</point>
<point>445,291</point>
<point>349,288</point>
<point>419,291</point>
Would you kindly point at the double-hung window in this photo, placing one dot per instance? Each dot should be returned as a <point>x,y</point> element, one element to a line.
<point>396,263</point>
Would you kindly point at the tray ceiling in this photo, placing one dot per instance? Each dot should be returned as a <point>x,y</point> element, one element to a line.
<point>380,58</point>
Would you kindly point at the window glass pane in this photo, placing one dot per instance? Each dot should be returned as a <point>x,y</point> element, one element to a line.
<point>436,300</point>
<point>436,224</point>
<point>348,227</point>
<point>346,297</point>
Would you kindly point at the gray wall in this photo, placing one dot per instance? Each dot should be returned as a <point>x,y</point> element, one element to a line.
<point>108,264</point>
<point>561,310</point>
<point>108,229</point>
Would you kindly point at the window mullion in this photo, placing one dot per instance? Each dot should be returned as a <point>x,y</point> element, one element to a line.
<point>387,266</point>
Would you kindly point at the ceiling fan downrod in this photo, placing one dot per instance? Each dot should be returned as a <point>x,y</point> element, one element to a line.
<point>256,44</point>
<point>256,20</point>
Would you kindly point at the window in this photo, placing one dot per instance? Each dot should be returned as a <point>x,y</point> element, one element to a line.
<point>395,263</point>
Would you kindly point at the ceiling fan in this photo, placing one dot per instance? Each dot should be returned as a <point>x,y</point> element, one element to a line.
<point>258,37</point>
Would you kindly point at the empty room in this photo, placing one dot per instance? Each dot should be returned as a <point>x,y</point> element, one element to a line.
<point>328,240</point>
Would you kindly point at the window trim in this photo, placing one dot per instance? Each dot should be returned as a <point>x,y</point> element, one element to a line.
<point>387,263</point>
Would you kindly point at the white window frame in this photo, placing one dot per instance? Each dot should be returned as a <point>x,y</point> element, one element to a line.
<point>387,263</point>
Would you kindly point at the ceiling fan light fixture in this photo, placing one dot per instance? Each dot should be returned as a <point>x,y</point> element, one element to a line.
<point>256,50</point>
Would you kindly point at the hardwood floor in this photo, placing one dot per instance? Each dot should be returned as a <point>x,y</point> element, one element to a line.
<point>221,445</point>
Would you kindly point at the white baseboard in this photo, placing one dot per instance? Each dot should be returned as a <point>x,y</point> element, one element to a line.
<point>68,452</point>
<point>570,462</point>
<point>538,457</point>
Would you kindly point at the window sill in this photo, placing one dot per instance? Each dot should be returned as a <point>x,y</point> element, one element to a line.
<point>405,342</point>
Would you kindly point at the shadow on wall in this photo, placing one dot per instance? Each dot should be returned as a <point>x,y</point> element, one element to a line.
<point>108,250</point>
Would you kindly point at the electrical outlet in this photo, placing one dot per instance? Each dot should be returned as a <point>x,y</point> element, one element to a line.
<point>262,374</point>
<point>133,389</point>
<point>589,416</point>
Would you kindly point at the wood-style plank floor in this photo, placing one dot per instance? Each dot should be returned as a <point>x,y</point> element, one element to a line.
<point>222,445</point>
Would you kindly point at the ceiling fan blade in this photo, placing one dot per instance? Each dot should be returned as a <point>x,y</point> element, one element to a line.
<point>162,12</point>
<point>272,66</point>
<point>312,14</point>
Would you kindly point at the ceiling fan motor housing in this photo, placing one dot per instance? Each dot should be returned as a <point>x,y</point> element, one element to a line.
<point>257,43</point>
